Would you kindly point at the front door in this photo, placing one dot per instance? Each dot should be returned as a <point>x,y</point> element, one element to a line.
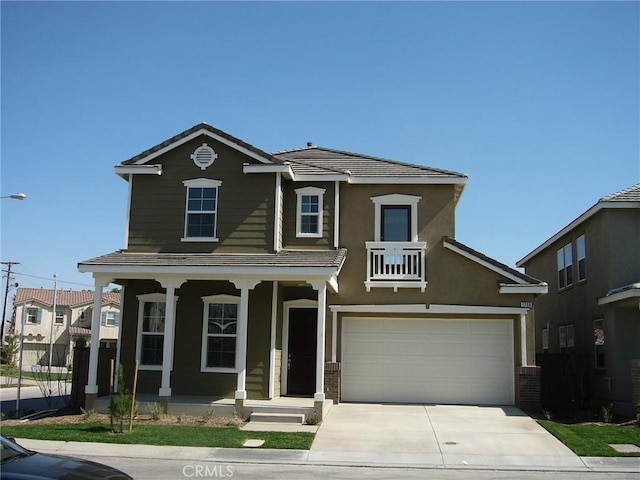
<point>301,364</point>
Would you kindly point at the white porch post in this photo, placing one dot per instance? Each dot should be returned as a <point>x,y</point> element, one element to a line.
<point>167,348</point>
<point>318,397</point>
<point>91,389</point>
<point>241,342</point>
<point>523,340</point>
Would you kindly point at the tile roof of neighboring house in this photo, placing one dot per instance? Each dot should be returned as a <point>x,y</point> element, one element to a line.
<point>631,194</point>
<point>482,258</point>
<point>627,198</point>
<point>284,259</point>
<point>194,129</point>
<point>319,160</point>
<point>80,331</point>
<point>64,298</point>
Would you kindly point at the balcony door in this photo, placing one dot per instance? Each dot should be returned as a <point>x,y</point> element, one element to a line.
<point>396,223</point>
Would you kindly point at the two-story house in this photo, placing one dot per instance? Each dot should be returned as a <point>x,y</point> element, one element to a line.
<point>71,326</point>
<point>310,272</point>
<point>592,310</point>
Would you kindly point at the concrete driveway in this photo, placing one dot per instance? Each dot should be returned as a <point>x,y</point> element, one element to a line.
<point>437,435</point>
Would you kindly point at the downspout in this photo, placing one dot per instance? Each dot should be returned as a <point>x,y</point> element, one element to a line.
<point>277,213</point>
<point>336,215</point>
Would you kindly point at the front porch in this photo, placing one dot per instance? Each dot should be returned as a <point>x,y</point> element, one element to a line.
<point>226,407</point>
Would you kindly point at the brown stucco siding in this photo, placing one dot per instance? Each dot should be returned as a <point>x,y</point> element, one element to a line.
<point>245,204</point>
<point>186,377</point>
<point>290,210</point>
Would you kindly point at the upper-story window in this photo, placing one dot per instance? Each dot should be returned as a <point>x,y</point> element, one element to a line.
<point>396,218</point>
<point>110,319</point>
<point>309,212</point>
<point>59,317</point>
<point>565,266</point>
<point>201,213</point>
<point>581,252</point>
<point>33,315</point>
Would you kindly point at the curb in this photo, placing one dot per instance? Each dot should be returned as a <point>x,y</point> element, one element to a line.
<point>328,458</point>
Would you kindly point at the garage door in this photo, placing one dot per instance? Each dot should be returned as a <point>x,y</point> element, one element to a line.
<point>427,361</point>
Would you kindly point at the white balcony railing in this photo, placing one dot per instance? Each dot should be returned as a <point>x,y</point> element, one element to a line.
<point>396,265</point>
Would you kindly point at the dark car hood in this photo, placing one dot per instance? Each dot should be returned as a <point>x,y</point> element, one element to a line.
<point>43,466</point>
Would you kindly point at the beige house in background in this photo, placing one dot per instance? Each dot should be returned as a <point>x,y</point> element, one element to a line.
<point>312,272</point>
<point>33,307</point>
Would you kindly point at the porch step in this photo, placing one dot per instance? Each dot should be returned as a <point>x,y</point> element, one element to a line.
<point>277,417</point>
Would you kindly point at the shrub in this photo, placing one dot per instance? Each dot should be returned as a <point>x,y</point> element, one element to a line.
<point>155,410</point>
<point>607,413</point>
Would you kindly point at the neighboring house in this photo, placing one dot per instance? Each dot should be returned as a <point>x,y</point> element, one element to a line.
<point>592,310</point>
<point>33,308</point>
<point>310,272</point>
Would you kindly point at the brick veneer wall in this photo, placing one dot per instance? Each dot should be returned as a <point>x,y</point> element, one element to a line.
<point>332,381</point>
<point>527,392</point>
<point>635,381</point>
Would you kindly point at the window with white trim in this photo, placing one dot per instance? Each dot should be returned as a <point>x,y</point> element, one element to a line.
<point>59,320</point>
<point>219,333</point>
<point>151,322</point>
<point>201,212</point>
<point>565,266</point>
<point>33,315</point>
<point>581,252</point>
<point>110,319</point>
<point>396,218</point>
<point>309,211</point>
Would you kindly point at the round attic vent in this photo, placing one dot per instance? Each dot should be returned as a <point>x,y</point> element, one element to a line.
<point>204,156</point>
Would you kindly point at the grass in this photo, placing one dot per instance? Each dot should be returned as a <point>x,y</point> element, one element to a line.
<point>226,437</point>
<point>593,439</point>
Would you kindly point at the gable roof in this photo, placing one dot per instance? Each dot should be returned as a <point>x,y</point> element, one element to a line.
<point>626,198</point>
<point>320,163</point>
<point>519,280</point>
<point>64,298</point>
<point>193,132</point>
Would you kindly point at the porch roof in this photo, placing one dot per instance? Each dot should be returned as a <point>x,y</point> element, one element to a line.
<point>283,265</point>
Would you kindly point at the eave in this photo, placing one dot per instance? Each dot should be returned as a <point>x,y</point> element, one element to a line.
<point>576,223</point>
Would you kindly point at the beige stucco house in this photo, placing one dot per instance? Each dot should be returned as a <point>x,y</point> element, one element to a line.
<point>310,272</point>
<point>33,314</point>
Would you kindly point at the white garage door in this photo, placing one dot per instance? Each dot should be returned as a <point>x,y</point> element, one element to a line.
<point>427,361</point>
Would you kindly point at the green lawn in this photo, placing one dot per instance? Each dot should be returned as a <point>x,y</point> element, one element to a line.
<point>181,435</point>
<point>592,440</point>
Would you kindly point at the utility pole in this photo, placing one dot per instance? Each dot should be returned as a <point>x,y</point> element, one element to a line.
<point>53,318</point>
<point>6,294</point>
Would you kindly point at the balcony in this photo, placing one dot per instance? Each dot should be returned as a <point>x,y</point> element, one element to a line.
<point>396,265</point>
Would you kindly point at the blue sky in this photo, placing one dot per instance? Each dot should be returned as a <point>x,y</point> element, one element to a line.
<point>537,102</point>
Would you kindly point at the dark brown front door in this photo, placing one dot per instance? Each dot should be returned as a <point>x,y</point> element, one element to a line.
<point>301,374</point>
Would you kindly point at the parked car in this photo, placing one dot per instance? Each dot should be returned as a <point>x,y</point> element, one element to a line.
<point>23,464</point>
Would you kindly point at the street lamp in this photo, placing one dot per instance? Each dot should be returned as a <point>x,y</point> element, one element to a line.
<point>15,196</point>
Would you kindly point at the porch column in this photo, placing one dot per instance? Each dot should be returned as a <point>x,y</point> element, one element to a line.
<point>318,397</point>
<point>523,340</point>
<point>241,342</point>
<point>164,393</point>
<point>91,389</point>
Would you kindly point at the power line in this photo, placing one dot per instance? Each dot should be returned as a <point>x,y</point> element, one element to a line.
<point>48,278</point>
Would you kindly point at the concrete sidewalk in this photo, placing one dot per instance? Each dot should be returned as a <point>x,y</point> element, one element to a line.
<point>306,457</point>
